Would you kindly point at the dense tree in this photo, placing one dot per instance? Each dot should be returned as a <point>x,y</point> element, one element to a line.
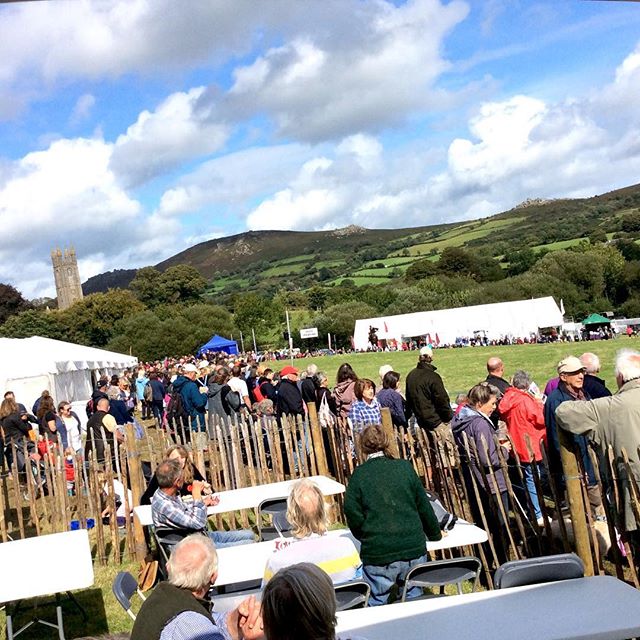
<point>631,221</point>
<point>597,236</point>
<point>146,286</point>
<point>420,269</point>
<point>317,297</point>
<point>94,319</point>
<point>11,302</point>
<point>340,319</point>
<point>252,311</point>
<point>46,324</point>
<point>457,261</point>
<point>182,283</point>
<point>520,261</point>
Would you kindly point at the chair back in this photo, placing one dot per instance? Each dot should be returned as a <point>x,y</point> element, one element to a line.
<point>352,595</point>
<point>280,526</point>
<point>518,573</point>
<point>166,538</point>
<point>439,573</point>
<point>124,586</point>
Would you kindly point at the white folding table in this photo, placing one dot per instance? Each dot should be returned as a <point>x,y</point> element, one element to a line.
<point>251,497</point>
<point>44,565</point>
<point>247,562</point>
<point>597,608</point>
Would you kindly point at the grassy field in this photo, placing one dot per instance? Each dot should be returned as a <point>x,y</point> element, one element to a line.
<point>462,368</point>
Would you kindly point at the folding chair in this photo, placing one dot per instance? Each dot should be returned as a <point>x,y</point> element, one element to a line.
<point>352,595</point>
<point>280,527</point>
<point>518,573</point>
<point>124,586</point>
<point>165,539</point>
<point>443,572</point>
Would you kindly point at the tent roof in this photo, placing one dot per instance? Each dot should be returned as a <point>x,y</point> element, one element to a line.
<point>27,357</point>
<point>218,343</point>
<point>596,318</point>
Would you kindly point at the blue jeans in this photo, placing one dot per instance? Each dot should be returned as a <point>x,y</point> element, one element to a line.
<point>232,538</point>
<point>527,472</point>
<point>381,579</point>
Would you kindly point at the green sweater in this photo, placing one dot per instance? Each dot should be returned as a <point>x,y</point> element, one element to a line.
<point>388,511</point>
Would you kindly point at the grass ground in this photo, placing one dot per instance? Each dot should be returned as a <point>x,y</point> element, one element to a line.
<point>462,368</point>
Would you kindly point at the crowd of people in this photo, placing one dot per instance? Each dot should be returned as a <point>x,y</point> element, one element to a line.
<point>387,509</point>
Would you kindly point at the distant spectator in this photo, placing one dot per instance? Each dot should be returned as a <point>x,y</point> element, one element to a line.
<point>495,376</point>
<point>343,392</point>
<point>307,386</point>
<point>365,408</point>
<point>595,387</point>
<point>390,397</point>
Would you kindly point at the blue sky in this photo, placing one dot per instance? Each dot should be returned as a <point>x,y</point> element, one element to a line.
<point>135,128</point>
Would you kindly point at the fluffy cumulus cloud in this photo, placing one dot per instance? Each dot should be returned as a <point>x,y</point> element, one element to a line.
<point>176,131</point>
<point>67,195</point>
<point>320,87</point>
<point>516,148</point>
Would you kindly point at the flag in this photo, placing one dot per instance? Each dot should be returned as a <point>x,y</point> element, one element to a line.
<point>385,328</point>
<point>561,306</point>
<point>437,340</point>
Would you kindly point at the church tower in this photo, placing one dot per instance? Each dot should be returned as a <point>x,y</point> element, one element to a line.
<point>67,277</point>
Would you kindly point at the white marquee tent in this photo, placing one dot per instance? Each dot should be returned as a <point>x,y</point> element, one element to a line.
<point>30,365</point>
<point>513,319</point>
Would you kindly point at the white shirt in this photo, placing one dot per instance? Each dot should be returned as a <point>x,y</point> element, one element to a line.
<point>236,384</point>
<point>74,438</point>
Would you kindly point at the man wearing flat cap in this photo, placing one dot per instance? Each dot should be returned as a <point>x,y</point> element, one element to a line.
<point>570,389</point>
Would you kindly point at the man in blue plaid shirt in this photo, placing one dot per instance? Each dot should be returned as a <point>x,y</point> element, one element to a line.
<point>169,511</point>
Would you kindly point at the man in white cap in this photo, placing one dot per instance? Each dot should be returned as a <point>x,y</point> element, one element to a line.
<point>426,396</point>
<point>570,389</point>
<point>193,401</point>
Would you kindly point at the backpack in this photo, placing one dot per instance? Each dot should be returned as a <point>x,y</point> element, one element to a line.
<point>257,392</point>
<point>446,520</point>
<point>89,408</point>
<point>147,393</point>
<point>175,407</point>
<point>231,401</point>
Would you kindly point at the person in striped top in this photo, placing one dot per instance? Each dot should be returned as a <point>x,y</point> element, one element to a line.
<point>335,554</point>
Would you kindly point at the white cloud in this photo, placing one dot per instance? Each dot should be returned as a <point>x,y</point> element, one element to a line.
<point>176,131</point>
<point>82,109</point>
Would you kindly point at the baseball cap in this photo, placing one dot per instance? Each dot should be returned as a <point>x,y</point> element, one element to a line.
<point>426,351</point>
<point>202,364</point>
<point>288,370</point>
<point>385,368</point>
<point>570,364</point>
<point>190,368</point>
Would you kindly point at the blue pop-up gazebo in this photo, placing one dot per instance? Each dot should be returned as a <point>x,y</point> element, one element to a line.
<point>218,343</point>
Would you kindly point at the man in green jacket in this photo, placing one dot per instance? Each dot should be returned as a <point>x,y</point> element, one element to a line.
<point>614,421</point>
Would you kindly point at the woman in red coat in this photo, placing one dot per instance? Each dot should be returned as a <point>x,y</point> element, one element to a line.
<point>524,416</point>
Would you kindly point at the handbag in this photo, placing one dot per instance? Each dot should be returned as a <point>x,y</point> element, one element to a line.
<point>325,417</point>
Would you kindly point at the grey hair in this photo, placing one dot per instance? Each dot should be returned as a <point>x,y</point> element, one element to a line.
<point>306,510</point>
<point>168,472</point>
<point>521,380</point>
<point>299,602</point>
<point>312,369</point>
<point>320,377</point>
<point>193,562</point>
<point>591,362</point>
<point>628,365</point>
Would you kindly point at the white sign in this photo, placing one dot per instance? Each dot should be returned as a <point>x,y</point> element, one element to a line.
<point>309,333</point>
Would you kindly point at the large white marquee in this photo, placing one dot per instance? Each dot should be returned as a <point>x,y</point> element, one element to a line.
<point>515,319</point>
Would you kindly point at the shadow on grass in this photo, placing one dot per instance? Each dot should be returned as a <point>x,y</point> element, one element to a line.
<point>75,626</point>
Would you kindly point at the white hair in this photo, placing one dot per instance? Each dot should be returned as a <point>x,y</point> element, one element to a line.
<point>312,369</point>
<point>193,561</point>
<point>628,365</point>
<point>591,362</point>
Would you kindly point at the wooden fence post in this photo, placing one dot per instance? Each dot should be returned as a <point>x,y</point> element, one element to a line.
<point>317,441</point>
<point>576,504</point>
<point>135,476</point>
<point>387,425</point>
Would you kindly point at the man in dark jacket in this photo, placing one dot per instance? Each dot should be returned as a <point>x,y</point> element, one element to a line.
<point>307,386</point>
<point>495,376</point>
<point>193,401</point>
<point>595,387</point>
<point>102,429</point>
<point>427,398</point>
<point>570,389</point>
<point>289,402</point>
<point>178,609</point>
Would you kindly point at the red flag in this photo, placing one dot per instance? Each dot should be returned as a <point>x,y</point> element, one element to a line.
<point>385,328</point>
<point>437,340</point>
<point>428,338</point>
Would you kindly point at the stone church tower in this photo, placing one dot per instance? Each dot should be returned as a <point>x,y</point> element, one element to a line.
<point>67,277</point>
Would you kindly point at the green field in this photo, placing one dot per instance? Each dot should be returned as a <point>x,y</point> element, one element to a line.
<point>462,368</point>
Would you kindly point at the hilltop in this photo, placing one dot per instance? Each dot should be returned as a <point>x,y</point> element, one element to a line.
<point>268,260</point>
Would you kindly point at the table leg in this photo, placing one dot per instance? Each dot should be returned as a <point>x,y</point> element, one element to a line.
<point>60,624</point>
<point>9,627</point>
